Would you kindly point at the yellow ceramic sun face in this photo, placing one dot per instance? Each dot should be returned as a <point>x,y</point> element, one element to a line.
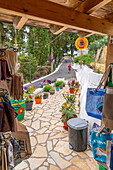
<point>81,43</point>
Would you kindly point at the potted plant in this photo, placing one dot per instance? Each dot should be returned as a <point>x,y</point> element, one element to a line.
<point>38,99</point>
<point>52,91</point>
<point>53,81</point>
<point>45,95</point>
<point>57,85</point>
<point>61,84</point>
<point>64,84</point>
<point>28,97</point>
<point>47,88</point>
<point>71,85</point>
<point>68,110</point>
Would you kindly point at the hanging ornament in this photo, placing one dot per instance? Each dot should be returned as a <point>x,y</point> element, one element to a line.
<point>81,43</point>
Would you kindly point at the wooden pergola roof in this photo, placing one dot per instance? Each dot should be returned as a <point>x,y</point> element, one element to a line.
<point>85,17</point>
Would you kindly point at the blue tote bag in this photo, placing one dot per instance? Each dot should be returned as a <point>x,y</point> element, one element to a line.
<point>99,145</point>
<point>94,102</point>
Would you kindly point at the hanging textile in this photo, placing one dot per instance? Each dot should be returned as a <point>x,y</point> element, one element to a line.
<point>17,87</point>
<point>4,69</point>
<point>7,112</point>
<point>11,58</point>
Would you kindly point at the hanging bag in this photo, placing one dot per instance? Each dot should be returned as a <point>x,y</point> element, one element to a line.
<point>107,112</point>
<point>95,97</point>
<point>22,137</point>
<point>99,145</point>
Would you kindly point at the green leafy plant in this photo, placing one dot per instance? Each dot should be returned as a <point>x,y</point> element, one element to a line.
<point>45,94</point>
<point>38,96</point>
<point>68,111</point>
<point>61,84</point>
<point>57,83</point>
<point>47,88</point>
<point>68,108</point>
<point>53,81</point>
<point>64,84</point>
<point>52,90</point>
<point>87,59</point>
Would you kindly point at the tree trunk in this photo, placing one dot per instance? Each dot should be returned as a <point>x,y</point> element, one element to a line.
<point>2,37</point>
<point>51,59</point>
<point>72,51</point>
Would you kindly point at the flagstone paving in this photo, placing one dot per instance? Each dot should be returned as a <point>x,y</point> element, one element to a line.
<point>49,141</point>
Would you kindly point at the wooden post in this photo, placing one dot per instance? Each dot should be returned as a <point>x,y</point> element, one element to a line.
<point>109,58</point>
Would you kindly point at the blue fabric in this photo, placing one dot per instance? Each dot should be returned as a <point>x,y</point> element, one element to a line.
<point>94,102</point>
<point>111,159</point>
<point>99,144</point>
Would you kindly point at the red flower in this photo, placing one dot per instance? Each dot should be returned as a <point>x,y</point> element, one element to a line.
<point>21,110</point>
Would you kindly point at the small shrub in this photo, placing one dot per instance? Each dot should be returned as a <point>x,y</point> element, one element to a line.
<point>58,83</point>
<point>38,96</point>
<point>64,84</point>
<point>87,59</point>
<point>52,90</point>
<point>53,81</point>
<point>47,88</point>
<point>45,94</point>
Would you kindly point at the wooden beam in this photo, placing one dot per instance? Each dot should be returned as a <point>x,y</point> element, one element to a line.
<point>55,29</point>
<point>89,6</point>
<point>84,34</point>
<point>19,22</point>
<point>49,12</point>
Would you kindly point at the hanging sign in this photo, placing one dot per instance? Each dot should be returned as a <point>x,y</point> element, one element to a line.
<point>81,43</point>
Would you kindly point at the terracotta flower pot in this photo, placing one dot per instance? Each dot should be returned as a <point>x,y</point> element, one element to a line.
<point>71,90</point>
<point>38,101</point>
<point>65,123</point>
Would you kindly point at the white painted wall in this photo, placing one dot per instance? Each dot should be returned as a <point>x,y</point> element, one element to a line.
<point>88,79</point>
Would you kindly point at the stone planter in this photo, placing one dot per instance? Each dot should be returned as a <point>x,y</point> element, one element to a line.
<point>45,97</point>
<point>52,93</point>
<point>29,105</point>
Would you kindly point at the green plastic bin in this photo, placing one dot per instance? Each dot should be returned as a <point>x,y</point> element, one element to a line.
<point>19,108</point>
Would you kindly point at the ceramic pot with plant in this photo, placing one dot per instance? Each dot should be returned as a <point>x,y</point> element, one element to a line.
<point>28,97</point>
<point>47,88</point>
<point>38,99</point>
<point>61,84</point>
<point>57,85</point>
<point>71,85</point>
<point>45,95</point>
<point>52,91</point>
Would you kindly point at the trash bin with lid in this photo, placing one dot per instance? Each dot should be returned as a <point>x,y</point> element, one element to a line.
<point>78,131</point>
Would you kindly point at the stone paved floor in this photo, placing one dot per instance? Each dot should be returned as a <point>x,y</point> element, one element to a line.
<point>49,141</point>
